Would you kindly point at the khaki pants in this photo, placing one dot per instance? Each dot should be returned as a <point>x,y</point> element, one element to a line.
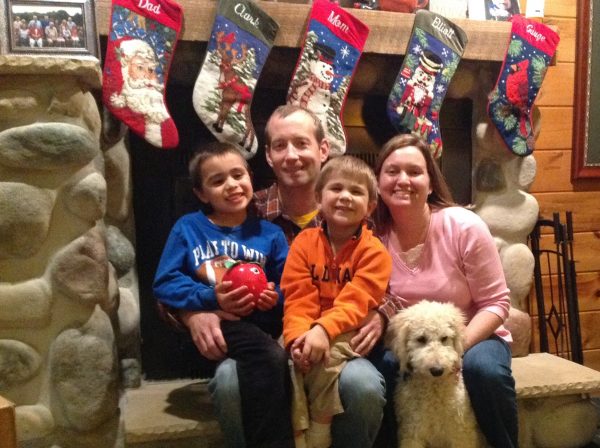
<point>316,393</point>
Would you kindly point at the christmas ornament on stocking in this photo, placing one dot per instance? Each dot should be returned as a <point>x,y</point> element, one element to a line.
<point>240,41</point>
<point>530,50</point>
<point>142,39</point>
<point>434,50</point>
<point>333,44</point>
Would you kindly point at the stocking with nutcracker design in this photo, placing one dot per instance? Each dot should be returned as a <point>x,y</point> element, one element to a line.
<point>434,50</point>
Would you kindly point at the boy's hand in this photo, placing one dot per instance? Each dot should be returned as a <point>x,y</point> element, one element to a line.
<point>205,329</point>
<point>268,298</point>
<point>296,354</point>
<point>316,346</point>
<point>236,301</point>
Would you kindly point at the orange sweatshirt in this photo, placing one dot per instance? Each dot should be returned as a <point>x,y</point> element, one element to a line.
<point>334,292</point>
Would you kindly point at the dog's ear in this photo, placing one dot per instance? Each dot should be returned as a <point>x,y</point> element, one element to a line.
<point>458,321</point>
<point>396,337</point>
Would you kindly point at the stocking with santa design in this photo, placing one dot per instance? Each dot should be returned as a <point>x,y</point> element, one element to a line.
<point>333,44</point>
<point>434,50</point>
<point>241,40</point>
<point>530,50</point>
<point>141,42</point>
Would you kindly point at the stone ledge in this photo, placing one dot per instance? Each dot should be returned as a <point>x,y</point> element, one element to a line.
<point>170,410</point>
<point>86,68</point>
<point>543,375</point>
<point>179,414</point>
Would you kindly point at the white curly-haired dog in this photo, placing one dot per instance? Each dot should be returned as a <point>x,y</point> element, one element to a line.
<point>431,402</point>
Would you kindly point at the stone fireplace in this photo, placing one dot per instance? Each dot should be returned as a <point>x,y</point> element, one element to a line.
<point>70,292</point>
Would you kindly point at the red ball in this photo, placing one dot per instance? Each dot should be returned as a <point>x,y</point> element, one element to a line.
<point>248,274</point>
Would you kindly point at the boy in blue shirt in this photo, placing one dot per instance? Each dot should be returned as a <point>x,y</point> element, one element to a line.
<point>189,280</point>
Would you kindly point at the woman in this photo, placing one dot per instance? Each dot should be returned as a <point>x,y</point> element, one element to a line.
<point>446,253</point>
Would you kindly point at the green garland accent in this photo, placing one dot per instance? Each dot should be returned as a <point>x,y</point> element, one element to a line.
<point>540,67</point>
<point>515,48</point>
<point>520,146</point>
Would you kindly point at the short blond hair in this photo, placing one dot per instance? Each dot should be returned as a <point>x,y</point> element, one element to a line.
<point>349,167</point>
<point>286,110</point>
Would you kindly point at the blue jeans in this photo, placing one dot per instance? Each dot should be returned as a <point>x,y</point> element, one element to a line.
<point>490,385</point>
<point>362,391</point>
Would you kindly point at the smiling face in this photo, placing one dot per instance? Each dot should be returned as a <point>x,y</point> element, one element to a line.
<point>294,152</point>
<point>323,71</point>
<point>140,69</point>
<point>227,187</point>
<point>344,203</point>
<point>403,180</point>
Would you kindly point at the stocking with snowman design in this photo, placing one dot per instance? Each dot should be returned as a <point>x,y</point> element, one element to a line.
<point>333,44</point>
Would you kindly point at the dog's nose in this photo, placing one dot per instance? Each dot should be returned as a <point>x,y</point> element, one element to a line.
<point>436,371</point>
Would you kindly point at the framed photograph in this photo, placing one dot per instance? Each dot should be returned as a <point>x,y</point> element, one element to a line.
<point>585,163</point>
<point>499,10</point>
<point>49,27</point>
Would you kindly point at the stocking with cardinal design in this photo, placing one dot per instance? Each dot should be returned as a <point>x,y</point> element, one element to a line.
<point>530,50</point>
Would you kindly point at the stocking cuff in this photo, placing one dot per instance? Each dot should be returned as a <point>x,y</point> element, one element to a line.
<point>535,34</point>
<point>442,29</point>
<point>250,18</point>
<point>341,24</point>
<point>166,12</point>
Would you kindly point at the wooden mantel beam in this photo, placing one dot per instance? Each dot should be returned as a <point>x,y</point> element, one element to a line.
<point>389,34</point>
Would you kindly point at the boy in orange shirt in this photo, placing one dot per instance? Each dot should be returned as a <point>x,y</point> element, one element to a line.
<point>334,275</point>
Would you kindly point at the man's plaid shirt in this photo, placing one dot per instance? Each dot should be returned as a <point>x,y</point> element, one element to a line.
<point>268,206</point>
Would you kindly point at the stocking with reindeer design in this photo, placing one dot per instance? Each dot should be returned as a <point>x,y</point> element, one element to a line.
<point>241,39</point>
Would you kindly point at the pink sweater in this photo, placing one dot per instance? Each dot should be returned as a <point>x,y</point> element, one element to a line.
<point>459,264</point>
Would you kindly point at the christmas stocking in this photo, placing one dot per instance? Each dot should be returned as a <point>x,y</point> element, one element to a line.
<point>434,51</point>
<point>532,45</point>
<point>142,39</point>
<point>332,46</point>
<point>241,39</point>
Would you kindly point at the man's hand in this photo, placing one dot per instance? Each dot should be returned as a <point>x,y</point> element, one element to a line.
<point>205,328</point>
<point>368,334</point>
<point>237,301</point>
<point>268,298</point>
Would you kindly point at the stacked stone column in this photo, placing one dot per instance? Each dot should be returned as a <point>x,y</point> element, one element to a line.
<point>69,313</point>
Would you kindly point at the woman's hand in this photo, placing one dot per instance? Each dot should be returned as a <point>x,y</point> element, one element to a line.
<point>481,327</point>
<point>368,334</point>
<point>268,298</point>
<point>237,301</point>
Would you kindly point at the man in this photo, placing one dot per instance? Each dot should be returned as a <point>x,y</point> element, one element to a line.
<point>36,32</point>
<point>51,34</point>
<point>142,93</point>
<point>295,149</point>
<point>16,28</point>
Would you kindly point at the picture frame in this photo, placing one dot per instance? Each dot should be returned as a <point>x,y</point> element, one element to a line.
<point>497,10</point>
<point>585,161</point>
<point>48,27</point>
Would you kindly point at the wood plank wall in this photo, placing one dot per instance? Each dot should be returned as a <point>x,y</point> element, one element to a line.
<point>553,187</point>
